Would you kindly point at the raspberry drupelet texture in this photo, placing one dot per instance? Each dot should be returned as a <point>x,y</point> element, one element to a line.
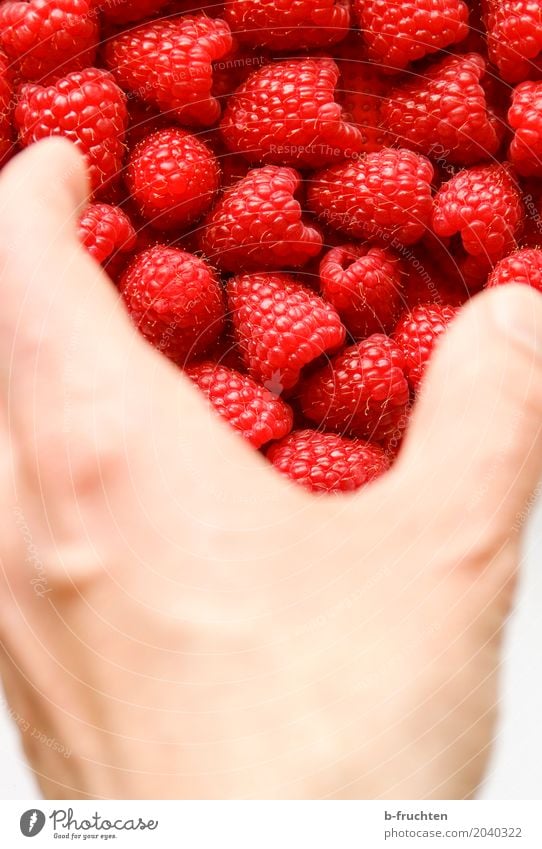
<point>483,206</point>
<point>86,107</point>
<point>280,327</point>
<point>289,25</point>
<point>524,267</point>
<point>107,233</point>
<point>6,108</point>
<point>364,284</point>
<point>169,63</point>
<point>514,41</point>
<point>286,114</point>
<point>47,39</point>
<point>248,407</point>
<point>258,224</point>
<point>443,112</point>
<point>384,195</point>
<point>173,178</point>
<point>525,118</point>
<point>398,33</point>
<point>176,301</point>
<point>327,462</point>
<point>363,391</point>
<point>417,334</point>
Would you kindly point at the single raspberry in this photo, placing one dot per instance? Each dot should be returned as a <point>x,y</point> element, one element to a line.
<point>326,462</point>
<point>286,114</point>
<point>523,266</point>
<point>364,284</point>
<point>46,39</point>
<point>6,104</point>
<point>169,63</point>
<point>176,301</point>
<point>363,391</point>
<point>417,334</point>
<point>258,224</point>
<point>442,112</point>
<point>128,11</point>
<point>525,118</point>
<point>514,41</point>
<point>398,33</point>
<point>86,107</point>
<point>289,25</point>
<point>483,205</point>
<point>248,407</point>
<point>173,178</point>
<point>384,195</point>
<point>107,234</point>
<point>280,327</point>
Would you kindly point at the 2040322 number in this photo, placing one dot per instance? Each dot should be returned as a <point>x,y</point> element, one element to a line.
<point>495,832</point>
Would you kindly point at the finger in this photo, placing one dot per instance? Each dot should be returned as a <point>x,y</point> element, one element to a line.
<point>476,438</point>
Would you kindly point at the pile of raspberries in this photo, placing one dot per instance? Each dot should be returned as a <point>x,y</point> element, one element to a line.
<point>294,197</point>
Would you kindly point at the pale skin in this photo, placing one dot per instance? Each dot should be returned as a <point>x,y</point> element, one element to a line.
<point>185,622</point>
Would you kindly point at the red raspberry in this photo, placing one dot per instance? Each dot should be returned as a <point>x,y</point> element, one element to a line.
<point>285,113</point>
<point>523,266</point>
<point>173,178</point>
<point>363,391</point>
<point>258,224</point>
<point>48,38</point>
<point>169,63</point>
<point>127,11</point>
<point>384,195</point>
<point>515,38</point>
<point>443,112</point>
<point>6,102</point>
<point>288,25</point>
<point>248,407</point>
<point>483,205</point>
<point>364,285</point>
<point>107,234</point>
<point>176,301</point>
<point>397,33</point>
<point>280,327</point>
<point>525,118</point>
<point>432,276</point>
<point>86,107</point>
<point>326,462</point>
<point>417,334</point>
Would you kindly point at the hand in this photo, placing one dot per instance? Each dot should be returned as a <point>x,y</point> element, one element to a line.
<point>184,623</point>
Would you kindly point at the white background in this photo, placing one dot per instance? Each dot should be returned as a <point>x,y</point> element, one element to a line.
<point>516,770</point>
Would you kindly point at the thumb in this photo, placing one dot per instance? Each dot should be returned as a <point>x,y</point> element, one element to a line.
<point>476,436</point>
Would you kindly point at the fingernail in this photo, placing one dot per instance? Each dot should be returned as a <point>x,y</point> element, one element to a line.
<point>518,316</point>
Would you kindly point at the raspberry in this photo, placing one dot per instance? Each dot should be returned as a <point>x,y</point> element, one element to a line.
<point>286,114</point>
<point>443,112</point>
<point>249,408</point>
<point>6,100</point>
<point>173,178</point>
<point>289,25</point>
<point>48,38</point>
<point>364,285</point>
<point>169,63</point>
<point>363,391</point>
<point>483,205</point>
<point>384,195</point>
<point>176,301</point>
<point>397,33</point>
<point>515,38</point>
<point>416,336</point>
<point>525,118</point>
<point>326,462</point>
<point>107,234</point>
<point>258,224</point>
<point>432,276</point>
<point>128,11</point>
<point>523,266</point>
<point>86,107</point>
<point>280,327</point>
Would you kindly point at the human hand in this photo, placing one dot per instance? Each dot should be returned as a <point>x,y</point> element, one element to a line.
<point>183,621</point>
